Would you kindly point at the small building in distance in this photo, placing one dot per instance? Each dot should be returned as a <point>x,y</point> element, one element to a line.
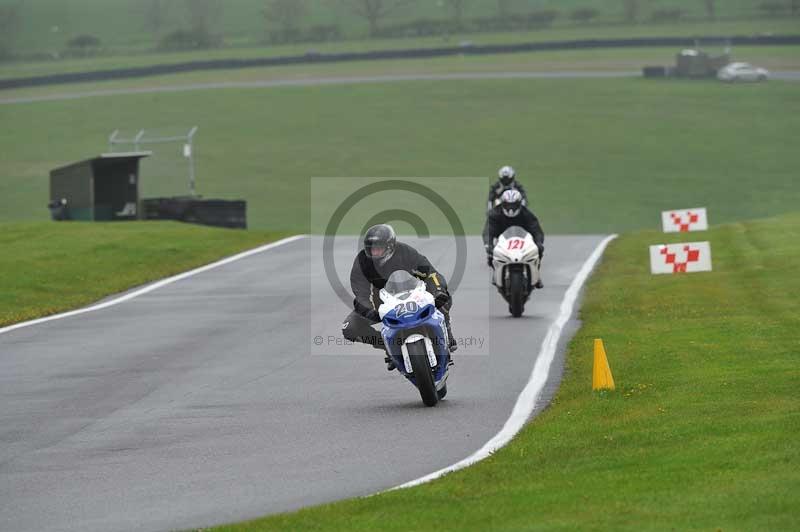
<point>102,188</point>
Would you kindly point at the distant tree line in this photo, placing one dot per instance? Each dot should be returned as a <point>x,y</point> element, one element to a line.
<point>196,24</point>
<point>284,19</point>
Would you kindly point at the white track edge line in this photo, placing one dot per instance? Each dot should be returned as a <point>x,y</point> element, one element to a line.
<point>154,286</point>
<point>526,401</point>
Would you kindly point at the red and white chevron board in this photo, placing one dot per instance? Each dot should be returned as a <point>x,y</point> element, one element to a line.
<point>686,257</point>
<point>684,220</point>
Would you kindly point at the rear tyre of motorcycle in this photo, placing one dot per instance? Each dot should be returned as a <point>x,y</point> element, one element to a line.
<point>516,303</point>
<point>422,373</point>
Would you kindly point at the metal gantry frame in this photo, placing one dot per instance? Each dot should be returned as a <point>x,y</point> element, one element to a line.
<point>140,140</point>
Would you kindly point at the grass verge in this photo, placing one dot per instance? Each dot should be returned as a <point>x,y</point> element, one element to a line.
<point>701,433</point>
<point>47,268</point>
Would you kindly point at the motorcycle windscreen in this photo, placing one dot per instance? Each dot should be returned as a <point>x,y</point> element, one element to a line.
<point>514,231</point>
<point>401,282</point>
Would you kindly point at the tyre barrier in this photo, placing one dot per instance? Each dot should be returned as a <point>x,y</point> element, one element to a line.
<point>219,213</point>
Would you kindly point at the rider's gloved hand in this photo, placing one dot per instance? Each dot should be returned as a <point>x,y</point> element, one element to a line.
<point>489,260</point>
<point>441,299</point>
<point>373,315</point>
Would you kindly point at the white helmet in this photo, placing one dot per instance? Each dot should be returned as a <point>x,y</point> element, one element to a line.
<point>506,175</point>
<point>511,202</point>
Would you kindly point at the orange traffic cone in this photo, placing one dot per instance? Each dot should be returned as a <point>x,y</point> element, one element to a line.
<point>601,373</point>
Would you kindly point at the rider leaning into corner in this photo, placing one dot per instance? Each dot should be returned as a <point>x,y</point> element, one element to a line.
<point>383,254</point>
<point>510,212</point>
<point>506,179</point>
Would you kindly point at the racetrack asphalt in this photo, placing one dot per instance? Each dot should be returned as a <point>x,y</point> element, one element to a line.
<point>208,401</point>
<point>345,80</point>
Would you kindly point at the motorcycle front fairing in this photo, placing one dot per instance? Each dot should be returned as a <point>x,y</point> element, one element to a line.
<point>515,248</point>
<point>412,316</point>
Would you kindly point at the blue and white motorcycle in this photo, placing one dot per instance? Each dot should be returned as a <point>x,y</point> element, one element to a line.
<point>416,335</point>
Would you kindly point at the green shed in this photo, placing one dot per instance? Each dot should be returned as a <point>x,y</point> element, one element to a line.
<point>102,188</point>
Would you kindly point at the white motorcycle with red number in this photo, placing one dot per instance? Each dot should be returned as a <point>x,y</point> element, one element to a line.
<point>516,267</point>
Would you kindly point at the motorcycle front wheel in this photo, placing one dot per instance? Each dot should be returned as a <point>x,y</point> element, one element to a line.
<point>516,289</point>
<point>423,375</point>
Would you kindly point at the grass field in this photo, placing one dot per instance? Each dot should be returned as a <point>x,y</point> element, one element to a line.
<point>701,433</point>
<point>775,58</point>
<point>597,155</point>
<point>111,59</point>
<point>46,268</point>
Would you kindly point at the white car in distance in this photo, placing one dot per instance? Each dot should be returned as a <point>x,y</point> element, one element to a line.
<point>742,72</point>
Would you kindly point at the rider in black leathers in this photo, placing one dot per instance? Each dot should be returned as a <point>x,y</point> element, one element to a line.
<point>506,179</point>
<point>508,213</point>
<point>381,256</point>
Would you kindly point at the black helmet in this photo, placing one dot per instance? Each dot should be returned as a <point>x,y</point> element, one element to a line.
<point>379,243</point>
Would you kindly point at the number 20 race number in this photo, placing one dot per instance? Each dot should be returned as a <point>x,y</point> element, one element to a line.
<point>409,307</point>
